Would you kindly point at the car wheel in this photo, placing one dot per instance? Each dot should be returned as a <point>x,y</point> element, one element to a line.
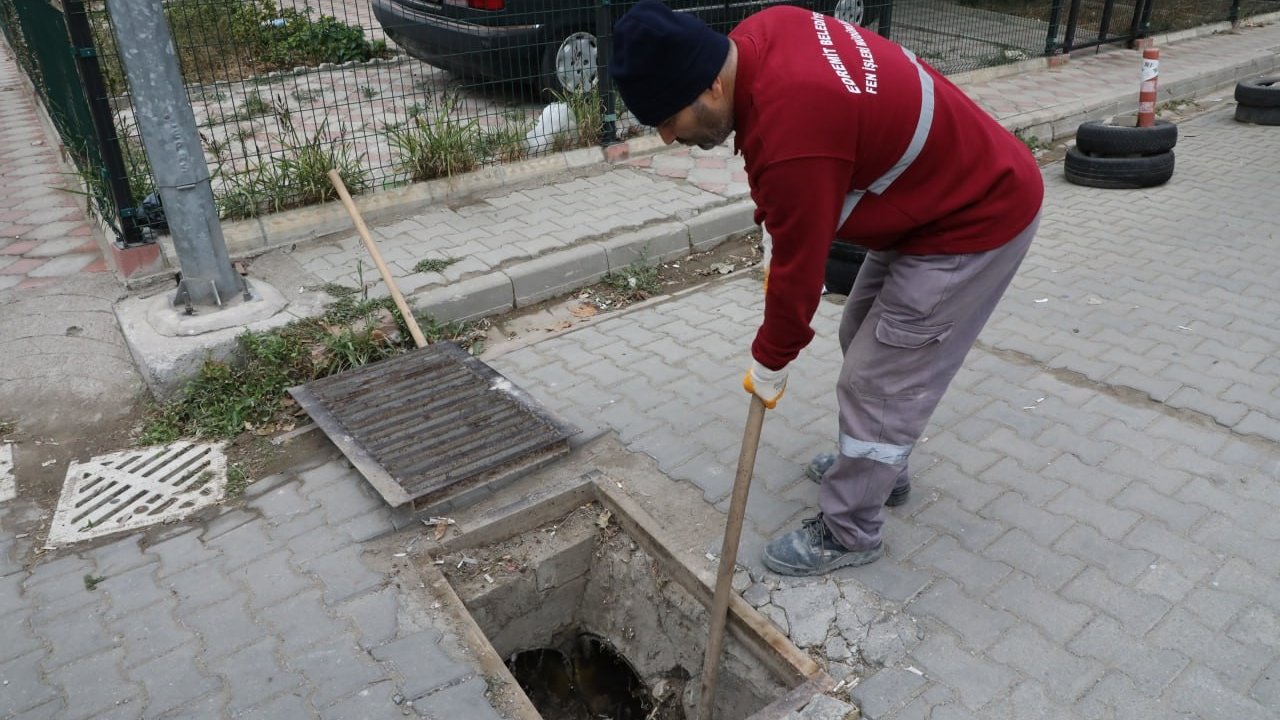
<point>855,12</point>
<point>1118,172</point>
<point>1263,92</point>
<point>1258,115</point>
<point>571,65</point>
<point>1098,138</point>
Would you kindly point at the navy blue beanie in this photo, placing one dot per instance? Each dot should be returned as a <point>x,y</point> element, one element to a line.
<point>663,60</point>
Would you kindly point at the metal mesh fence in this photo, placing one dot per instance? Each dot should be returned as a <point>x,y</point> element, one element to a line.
<point>281,93</point>
<point>397,91</point>
<point>37,33</point>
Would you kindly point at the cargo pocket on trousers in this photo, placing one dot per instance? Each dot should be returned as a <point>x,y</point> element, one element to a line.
<point>906,359</point>
<point>899,334</point>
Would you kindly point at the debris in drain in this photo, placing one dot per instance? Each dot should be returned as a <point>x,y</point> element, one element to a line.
<point>590,680</point>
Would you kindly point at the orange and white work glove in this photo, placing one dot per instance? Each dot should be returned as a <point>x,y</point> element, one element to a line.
<point>766,384</point>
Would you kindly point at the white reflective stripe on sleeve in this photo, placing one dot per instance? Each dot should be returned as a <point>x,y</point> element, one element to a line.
<point>880,452</point>
<point>850,202</point>
<point>923,124</point>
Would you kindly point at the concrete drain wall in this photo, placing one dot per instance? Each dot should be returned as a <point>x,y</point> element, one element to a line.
<point>584,575</point>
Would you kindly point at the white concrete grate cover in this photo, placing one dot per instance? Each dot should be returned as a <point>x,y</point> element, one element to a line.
<point>8,486</point>
<point>136,488</point>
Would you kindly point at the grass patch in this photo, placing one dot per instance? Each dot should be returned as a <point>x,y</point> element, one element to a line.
<point>253,106</point>
<point>433,264</point>
<point>230,40</point>
<point>305,97</point>
<point>7,426</point>
<point>370,92</point>
<point>435,143</point>
<point>506,143</point>
<point>1175,105</point>
<point>1032,142</point>
<point>638,281</point>
<point>249,394</point>
<point>588,113</point>
<point>297,176</point>
<point>91,582</point>
<point>237,480</point>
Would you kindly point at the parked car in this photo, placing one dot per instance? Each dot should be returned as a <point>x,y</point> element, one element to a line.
<point>544,44</point>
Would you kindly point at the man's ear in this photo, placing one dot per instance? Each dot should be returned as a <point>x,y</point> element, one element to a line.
<point>716,89</point>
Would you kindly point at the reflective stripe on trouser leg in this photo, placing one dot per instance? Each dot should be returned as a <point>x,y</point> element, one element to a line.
<point>880,452</point>
<point>900,360</point>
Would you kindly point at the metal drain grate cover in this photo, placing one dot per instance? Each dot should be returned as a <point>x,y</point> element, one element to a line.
<point>136,488</point>
<point>433,423</point>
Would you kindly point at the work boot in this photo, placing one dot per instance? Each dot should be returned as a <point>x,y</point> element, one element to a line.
<point>822,462</point>
<point>812,550</point>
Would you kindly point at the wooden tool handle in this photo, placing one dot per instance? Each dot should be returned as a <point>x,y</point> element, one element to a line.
<point>405,312</point>
<point>729,555</point>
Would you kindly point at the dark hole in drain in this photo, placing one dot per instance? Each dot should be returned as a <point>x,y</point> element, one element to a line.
<point>539,591</point>
<point>587,679</point>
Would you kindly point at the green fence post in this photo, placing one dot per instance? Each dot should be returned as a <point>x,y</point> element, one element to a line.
<point>885,25</point>
<point>604,52</point>
<point>1055,19</point>
<point>113,171</point>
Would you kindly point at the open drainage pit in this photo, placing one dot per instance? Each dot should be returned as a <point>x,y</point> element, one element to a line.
<point>592,625</point>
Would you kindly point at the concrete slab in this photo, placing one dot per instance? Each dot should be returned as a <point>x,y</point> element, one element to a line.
<point>169,350</point>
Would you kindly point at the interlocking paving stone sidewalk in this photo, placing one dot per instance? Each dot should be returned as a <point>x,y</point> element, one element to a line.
<point>44,235</point>
<point>247,617</point>
<point>1091,536</point>
<point>494,233</point>
<point>1076,546</point>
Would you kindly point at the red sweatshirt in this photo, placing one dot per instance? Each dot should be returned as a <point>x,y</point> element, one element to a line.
<point>823,109</point>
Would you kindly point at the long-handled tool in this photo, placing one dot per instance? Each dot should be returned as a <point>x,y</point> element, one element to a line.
<point>729,555</point>
<point>369,244</point>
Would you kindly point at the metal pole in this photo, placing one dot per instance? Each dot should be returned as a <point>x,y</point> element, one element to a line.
<point>95,90</point>
<point>1073,18</point>
<point>1104,25</point>
<point>168,129</point>
<point>604,51</point>
<point>1055,19</point>
<point>1144,29</point>
<point>885,25</point>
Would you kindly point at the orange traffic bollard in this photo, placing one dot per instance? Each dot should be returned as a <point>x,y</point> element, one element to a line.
<point>1147,91</point>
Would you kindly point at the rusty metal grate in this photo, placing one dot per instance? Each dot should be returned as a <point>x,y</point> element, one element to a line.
<point>432,424</point>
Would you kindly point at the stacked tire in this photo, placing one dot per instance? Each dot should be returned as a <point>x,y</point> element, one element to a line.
<point>1258,101</point>
<point>1122,156</point>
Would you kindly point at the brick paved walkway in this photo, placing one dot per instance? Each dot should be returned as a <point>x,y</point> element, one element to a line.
<point>1092,531</point>
<point>269,611</point>
<point>44,235</point>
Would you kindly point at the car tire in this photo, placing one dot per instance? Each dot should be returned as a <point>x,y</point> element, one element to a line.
<point>571,64</point>
<point>1263,92</point>
<point>1118,172</point>
<point>1258,115</point>
<point>843,263</point>
<point>859,12</point>
<point>1099,138</point>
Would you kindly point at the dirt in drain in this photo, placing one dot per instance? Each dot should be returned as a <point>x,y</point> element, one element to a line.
<point>587,680</point>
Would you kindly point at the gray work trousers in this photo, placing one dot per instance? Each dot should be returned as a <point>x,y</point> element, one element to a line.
<point>907,326</point>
